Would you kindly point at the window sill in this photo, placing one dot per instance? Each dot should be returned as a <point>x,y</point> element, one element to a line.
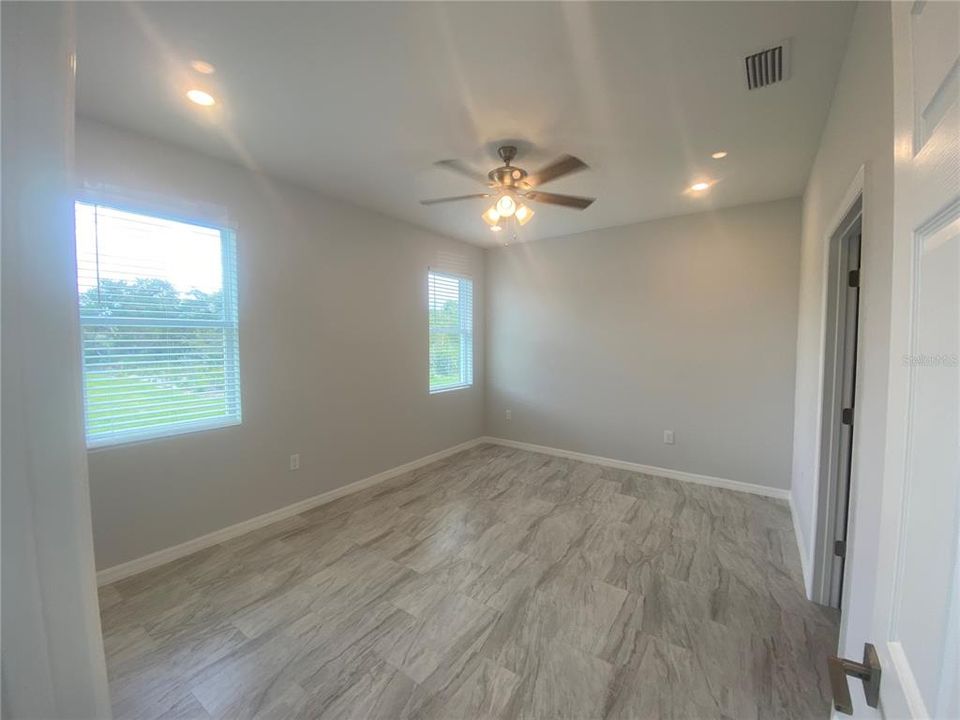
<point>452,388</point>
<point>139,438</point>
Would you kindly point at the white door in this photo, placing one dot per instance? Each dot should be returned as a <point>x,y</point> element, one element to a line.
<point>916,622</point>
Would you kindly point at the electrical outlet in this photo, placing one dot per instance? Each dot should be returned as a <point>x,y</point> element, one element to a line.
<point>295,461</point>
<point>509,415</point>
<point>668,437</point>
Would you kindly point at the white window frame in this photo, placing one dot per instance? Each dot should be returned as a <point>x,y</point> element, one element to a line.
<point>465,331</point>
<point>228,250</point>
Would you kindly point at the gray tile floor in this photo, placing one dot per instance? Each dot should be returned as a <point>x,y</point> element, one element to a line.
<point>495,583</point>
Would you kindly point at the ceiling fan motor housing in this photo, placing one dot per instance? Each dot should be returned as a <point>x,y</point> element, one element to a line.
<point>507,153</point>
<point>507,175</point>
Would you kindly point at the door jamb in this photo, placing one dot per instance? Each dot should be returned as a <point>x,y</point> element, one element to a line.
<point>833,461</point>
<point>821,552</point>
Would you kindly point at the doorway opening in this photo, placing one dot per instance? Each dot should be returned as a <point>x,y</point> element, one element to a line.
<point>839,401</point>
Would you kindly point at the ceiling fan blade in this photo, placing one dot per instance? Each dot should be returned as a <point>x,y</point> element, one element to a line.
<point>455,198</point>
<point>563,165</point>
<point>570,201</point>
<point>461,168</point>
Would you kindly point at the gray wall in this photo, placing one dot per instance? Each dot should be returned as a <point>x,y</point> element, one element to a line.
<point>600,341</point>
<point>333,343</point>
<point>859,132</point>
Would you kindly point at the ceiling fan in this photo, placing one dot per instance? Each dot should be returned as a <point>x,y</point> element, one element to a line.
<point>511,185</point>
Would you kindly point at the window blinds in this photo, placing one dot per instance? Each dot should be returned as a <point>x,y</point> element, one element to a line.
<point>450,301</point>
<point>158,320</point>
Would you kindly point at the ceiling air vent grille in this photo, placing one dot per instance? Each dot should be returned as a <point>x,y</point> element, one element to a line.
<point>766,67</point>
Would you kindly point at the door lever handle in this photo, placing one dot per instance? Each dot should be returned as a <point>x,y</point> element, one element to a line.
<point>868,671</point>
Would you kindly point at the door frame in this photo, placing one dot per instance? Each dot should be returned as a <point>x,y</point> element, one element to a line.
<point>832,466</point>
<point>905,636</point>
<point>853,205</point>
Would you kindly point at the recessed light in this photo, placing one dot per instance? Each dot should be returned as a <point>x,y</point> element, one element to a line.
<point>700,186</point>
<point>201,98</point>
<point>719,155</point>
<point>203,67</point>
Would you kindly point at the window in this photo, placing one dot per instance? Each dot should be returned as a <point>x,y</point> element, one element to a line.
<point>450,300</point>
<point>158,320</point>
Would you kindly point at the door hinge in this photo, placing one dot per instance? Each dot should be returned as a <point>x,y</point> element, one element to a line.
<point>840,548</point>
<point>846,417</point>
<point>853,279</point>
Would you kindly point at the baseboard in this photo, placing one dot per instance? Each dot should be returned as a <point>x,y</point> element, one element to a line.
<point>709,480</point>
<point>805,565</point>
<point>155,559</point>
<point>717,482</point>
<point>160,557</point>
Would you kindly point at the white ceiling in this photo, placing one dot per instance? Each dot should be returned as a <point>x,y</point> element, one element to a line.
<point>358,99</point>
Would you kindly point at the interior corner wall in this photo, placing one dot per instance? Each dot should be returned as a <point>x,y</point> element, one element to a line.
<point>858,132</point>
<point>52,662</point>
<point>333,353</point>
<point>600,341</point>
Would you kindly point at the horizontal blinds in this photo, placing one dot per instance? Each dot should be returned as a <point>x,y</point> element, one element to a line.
<point>450,301</point>
<point>158,317</point>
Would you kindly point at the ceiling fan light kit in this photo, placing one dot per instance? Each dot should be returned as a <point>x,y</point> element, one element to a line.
<point>506,205</point>
<point>511,186</point>
<point>523,214</point>
<point>504,209</point>
<point>491,217</point>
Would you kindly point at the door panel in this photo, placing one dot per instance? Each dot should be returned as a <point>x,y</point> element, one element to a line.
<point>933,32</point>
<point>915,628</point>
<point>926,583</point>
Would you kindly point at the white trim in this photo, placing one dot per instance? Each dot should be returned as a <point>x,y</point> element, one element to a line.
<point>451,388</point>
<point>805,565</point>
<point>709,480</point>
<point>854,191</point>
<point>168,207</point>
<point>778,493</point>
<point>907,681</point>
<point>145,435</point>
<point>160,557</point>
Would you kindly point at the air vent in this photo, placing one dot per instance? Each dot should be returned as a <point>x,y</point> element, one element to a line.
<point>766,67</point>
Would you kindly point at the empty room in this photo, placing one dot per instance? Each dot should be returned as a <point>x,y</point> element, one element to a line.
<point>455,360</point>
